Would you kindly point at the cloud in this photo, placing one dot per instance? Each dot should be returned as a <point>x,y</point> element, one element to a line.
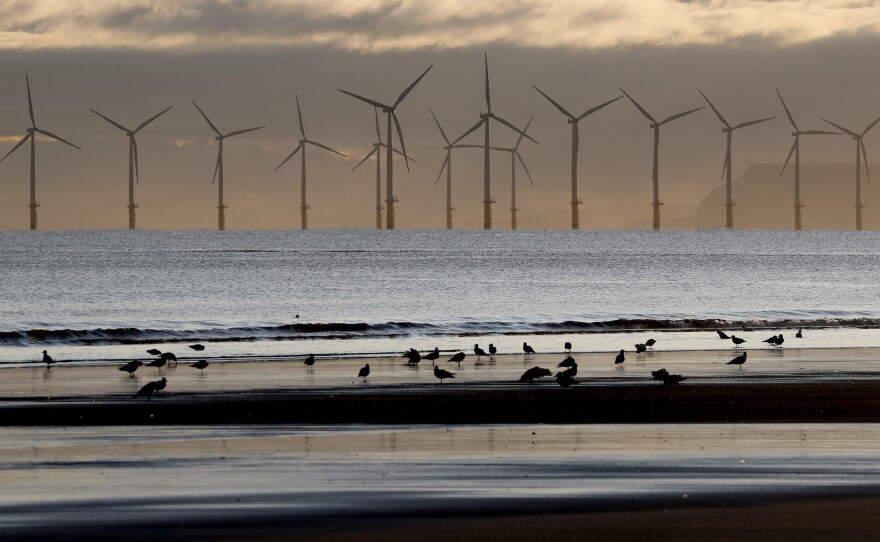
<point>180,143</point>
<point>405,25</point>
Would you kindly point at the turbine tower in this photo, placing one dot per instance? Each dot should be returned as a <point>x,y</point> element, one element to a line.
<point>796,150</point>
<point>304,206</point>
<point>655,175</point>
<point>31,135</point>
<point>447,164</point>
<point>728,165</point>
<point>218,169</point>
<point>377,145</point>
<point>391,111</point>
<point>484,121</point>
<point>860,153</point>
<point>133,174</point>
<point>573,120</point>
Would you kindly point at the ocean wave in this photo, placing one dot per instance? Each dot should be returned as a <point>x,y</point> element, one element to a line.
<point>345,330</point>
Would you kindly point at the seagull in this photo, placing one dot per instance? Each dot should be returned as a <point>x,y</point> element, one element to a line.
<point>534,373</point>
<point>197,347</point>
<point>721,334</point>
<point>457,358</point>
<point>47,359</point>
<point>432,356</point>
<point>200,365</point>
<point>619,359</point>
<point>736,340</point>
<point>567,362</point>
<point>771,340</point>
<point>160,384</point>
<point>528,349</point>
<point>168,356</point>
<point>492,351</point>
<point>310,360</point>
<point>413,357</point>
<point>364,372</point>
<point>564,380</point>
<point>650,343</point>
<point>661,374</point>
<point>158,362</point>
<point>479,351</point>
<point>441,374</point>
<point>799,335</point>
<point>147,391</point>
<point>640,348</point>
<point>780,340</point>
<point>672,380</point>
<point>739,360</point>
<point>571,371</point>
<point>568,348</point>
<point>154,352</point>
<point>131,367</point>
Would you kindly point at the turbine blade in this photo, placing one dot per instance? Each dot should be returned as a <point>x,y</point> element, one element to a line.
<point>53,136</point>
<point>442,167</point>
<point>522,135</point>
<point>640,108</point>
<point>151,119</point>
<point>216,167</point>
<point>17,145</point>
<point>820,132</point>
<point>523,162</point>
<point>751,122</point>
<point>790,153</point>
<point>841,128</point>
<point>871,126</point>
<point>787,112</point>
<point>289,156</point>
<point>549,99</point>
<point>679,115</point>
<point>589,112</point>
<point>488,98</point>
<point>412,86</point>
<point>865,157</point>
<point>374,103</point>
<point>134,148</point>
<point>30,102</point>
<point>400,136</point>
<point>365,158</point>
<point>246,130</point>
<point>378,133</point>
<point>413,160</point>
<point>442,133</point>
<point>468,146</point>
<point>211,124</point>
<point>512,127</point>
<point>717,113</point>
<point>325,147</point>
<point>108,119</point>
<point>299,114</point>
<point>470,130</point>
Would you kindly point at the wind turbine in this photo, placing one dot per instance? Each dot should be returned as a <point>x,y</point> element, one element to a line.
<point>390,110</point>
<point>378,144</point>
<point>860,146</point>
<point>796,150</point>
<point>133,174</point>
<point>304,206</point>
<point>484,121</point>
<point>728,165</point>
<point>218,169</point>
<point>31,135</point>
<point>573,120</point>
<point>655,175</point>
<point>447,164</point>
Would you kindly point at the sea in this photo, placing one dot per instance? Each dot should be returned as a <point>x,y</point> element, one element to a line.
<point>105,296</point>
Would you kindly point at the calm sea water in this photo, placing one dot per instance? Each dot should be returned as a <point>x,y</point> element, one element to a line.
<point>107,295</point>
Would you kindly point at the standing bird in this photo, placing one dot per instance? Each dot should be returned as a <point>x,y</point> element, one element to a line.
<point>200,365</point>
<point>567,362</point>
<point>47,359</point>
<point>160,384</point>
<point>721,334</point>
<point>492,351</point>
<point>779,340</point>
<point>799,335</point>
<point>433,356</point>
<point>197,347</point>
<point>147,391</point>
<point>568,348</point>
<point>479,351</point>
<point>441,374</point>
<point>154,352</point>
<point>158,362</point>
<point>364,372</point>
<point>534,373</point>
<point>528,350</point>
<point>571,371</point>
<point>650,343</point>
<point>168,356</point>
<point>309,361</point>
<point>661,374</point>
<point>620,358</point>
<point>736,340</point>
<point>739,360</point>
<point>457,358</point>
<point>564,380</point>
<point>413,357</point>
<point>131,367</point>
<point>771,340</point>
<point>641,348</point>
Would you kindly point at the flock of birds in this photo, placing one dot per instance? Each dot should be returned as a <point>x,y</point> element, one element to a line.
<point>565,375</point>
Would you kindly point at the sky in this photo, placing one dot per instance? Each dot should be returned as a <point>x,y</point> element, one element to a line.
<point>243,61</point>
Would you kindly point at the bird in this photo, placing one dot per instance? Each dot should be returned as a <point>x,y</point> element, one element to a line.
<point>413,357</point>
<point>799,334</point>
<point>200,365</point>
<point>736,340</point>
<point>660,374</point>
<point>310,360</point>
<point>780,340</point>
<point>567,362</point>
<point>534,373</point>
<point>131,367</point>
<point>433,355</point>
<point>528,350</point>
<point>364,372</point>
<point>564,380</point>
<point>441,374</point>
<point>571,371</point>
<point>158,362</point>
<point>168,356</point>
<point>147,391</point>
<point>197,347</point>
<point>47,359</point>
<point>160,384</point>
<point>640,348</point>
<point>479,351</point>
<point>672,380</point>
<point>568,348</point>
<point>154,352</point>
<point>492,351</point>
<point>739,360</point>
<point>771,340</point>
<point>650,343</point>
<point>620,358</point>
<point>721,334</point>
<point>457,358</point>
